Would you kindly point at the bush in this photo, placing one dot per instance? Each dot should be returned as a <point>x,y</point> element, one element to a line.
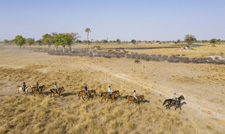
<point>97,47</point>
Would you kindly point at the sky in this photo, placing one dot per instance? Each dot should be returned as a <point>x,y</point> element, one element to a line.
<point>114,19</point>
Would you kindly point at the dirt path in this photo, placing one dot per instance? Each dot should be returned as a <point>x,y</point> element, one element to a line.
<point>194,109</point>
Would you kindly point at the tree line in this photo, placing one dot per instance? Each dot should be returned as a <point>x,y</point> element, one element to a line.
<point>68,39</point>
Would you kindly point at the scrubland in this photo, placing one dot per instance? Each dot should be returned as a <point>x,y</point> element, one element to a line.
<point>201,84</point>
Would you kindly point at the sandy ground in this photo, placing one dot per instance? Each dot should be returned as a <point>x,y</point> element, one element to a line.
<point>202,85</point>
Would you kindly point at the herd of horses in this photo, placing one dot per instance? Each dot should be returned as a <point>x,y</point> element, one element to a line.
<point>105,95</point>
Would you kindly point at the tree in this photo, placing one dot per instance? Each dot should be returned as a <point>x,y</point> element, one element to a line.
<point>39,42</point>
<point>104,41</point>
<point>88,30</point>
<point>213,41</point>
<point>19,40</point>
<point>63,39</point>
<point>189,39</point>
<point>47,40</point>
<point>30,41</point>
<point>218,40</point>
<point>118,41</point>
<point>74,39</point>
<point>6,41</point>
<point>133,41</point>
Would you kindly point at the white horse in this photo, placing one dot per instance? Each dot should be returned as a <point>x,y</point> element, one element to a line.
<point>20,89</point>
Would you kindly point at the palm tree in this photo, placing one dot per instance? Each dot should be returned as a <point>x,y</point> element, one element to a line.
<point>87,30</point>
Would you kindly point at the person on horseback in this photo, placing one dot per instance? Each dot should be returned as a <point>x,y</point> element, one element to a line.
<point>85,89</point>
<point>134,95</point>
<point>174,97</point>
<point>110,91</point>
<point>24,86</point>
<point>37,86</point>
<point>56,88</point>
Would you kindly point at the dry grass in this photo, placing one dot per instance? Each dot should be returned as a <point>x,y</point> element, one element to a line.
<point>67,114</point>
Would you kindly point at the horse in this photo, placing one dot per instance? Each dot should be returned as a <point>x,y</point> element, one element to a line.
<point>59,91</point>
<point>131,99</point>
<point>92,91</point>
<point>140,98</point>
<point>113,95</point>
<point>20,89</point>
<point>82,94</point>
<point>40,90</point>
<point>171,102</point>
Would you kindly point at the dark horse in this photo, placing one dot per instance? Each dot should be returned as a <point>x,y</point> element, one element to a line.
<point>59,91</point>
<point>113,95</point>
<point>89,93</point>
<point>40,89</point>
<point>171,102</point>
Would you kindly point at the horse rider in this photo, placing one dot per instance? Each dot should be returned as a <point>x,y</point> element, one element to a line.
<point>37,86</point>
<point>109,91</point>
<point>174,97</point>
<point>85,89</point>
<point>134,95</point>
<point>56,88</point>
<point>24,86</point>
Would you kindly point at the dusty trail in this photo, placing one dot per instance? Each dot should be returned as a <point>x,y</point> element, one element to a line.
<point>198,109</point>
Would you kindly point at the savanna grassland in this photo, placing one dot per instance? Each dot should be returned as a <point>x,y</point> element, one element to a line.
<point>201,84</point>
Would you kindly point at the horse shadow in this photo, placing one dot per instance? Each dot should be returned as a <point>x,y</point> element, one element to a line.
<point>183,103</point>
<point>67,94</point>
<point>146,101</point>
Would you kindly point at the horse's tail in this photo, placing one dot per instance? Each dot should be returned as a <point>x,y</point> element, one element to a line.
<point>165,102</point>
<point>51,90</point>
<point>101,94</point>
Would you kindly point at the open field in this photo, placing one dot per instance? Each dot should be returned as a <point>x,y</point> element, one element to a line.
<point>201,84</point>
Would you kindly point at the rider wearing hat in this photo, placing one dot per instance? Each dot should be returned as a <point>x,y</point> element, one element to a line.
<point>85,89</point>
<point>109,91</point>
<point>37,86</point>
<point>174,97</point>
<point>56,88</point>
<point>24,86</point>
<point>134,95</point>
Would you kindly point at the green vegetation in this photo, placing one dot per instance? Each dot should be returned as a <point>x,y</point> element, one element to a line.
<point>133,41</point>
<point>19,40</point>
<point>30,41</point>
<point>47,40</point>
<point>190,39</point>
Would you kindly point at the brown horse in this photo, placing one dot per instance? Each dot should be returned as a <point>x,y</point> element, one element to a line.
<point>113,95</point>
<point>171,102</point>
<point>40,90</point>
<point>92,91</point>
<point>59,91</point>
<point>140,98</point>
<point>83,94</point>
<point>131,99</point>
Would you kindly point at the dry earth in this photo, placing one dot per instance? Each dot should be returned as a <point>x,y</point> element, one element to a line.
<point>201,84</point>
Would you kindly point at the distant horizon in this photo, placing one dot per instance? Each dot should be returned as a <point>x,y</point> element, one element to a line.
<point>125,20</point>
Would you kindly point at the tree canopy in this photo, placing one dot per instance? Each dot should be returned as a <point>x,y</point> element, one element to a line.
<point>133,41</point>
<point>190,39</point>
<point>47,39</point>
<point>63,39</point>
<point>30,41</point>
<point>213,41</point>
<point>19,40</point>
